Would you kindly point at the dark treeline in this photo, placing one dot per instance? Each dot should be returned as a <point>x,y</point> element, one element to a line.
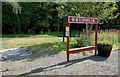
<point>40,17</point>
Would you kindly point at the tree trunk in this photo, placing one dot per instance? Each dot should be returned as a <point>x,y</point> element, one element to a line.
<point>18,22</point>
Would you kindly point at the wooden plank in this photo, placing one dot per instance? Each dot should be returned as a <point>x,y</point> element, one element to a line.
<point>76,50</point>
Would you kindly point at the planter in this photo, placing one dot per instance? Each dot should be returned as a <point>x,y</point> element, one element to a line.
<point>104,50</point>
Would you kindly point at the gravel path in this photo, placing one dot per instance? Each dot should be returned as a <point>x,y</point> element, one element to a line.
<point>54,63</point>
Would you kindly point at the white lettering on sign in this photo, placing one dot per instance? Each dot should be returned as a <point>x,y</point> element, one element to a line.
<point>93,20</point>
<point>72,19</point>
<point>76,19</point>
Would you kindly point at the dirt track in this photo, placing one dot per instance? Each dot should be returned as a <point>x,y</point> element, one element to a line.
<point>54,63</point>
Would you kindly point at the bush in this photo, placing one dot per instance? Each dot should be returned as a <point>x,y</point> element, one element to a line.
<point>85,39</point>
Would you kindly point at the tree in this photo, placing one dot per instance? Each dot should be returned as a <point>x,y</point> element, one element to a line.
<point>37,17</point>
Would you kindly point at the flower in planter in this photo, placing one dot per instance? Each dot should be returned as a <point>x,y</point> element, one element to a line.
<point>105,38</point>
<point>105,44</point>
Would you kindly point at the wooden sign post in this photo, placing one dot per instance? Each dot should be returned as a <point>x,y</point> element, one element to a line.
<point>72,19</point>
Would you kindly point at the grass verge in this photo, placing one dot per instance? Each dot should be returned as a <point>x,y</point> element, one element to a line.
<point>44,42</point>
<point>56,46</point>
<point>23,42</point>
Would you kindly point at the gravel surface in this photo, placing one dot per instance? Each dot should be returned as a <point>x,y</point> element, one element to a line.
<point>54,63</point>
<point>14,54</point>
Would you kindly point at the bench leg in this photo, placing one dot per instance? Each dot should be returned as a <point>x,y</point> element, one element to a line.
<point>67,57</point>
<point>95,52</point>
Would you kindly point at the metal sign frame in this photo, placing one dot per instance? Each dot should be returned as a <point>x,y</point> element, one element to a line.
<point>73,19</point>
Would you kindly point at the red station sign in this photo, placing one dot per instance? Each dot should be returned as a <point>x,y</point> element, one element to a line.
<point>72,19</point>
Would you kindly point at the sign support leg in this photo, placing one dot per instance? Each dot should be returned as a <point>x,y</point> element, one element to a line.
<point>96,36</point>
<point>68,39</point>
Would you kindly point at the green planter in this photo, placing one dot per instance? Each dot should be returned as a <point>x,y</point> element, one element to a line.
<point>104,50</point>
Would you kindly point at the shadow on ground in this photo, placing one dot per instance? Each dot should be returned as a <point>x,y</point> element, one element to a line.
<point>64,64</point>
<point>36,51</point>
<point>46,49</point>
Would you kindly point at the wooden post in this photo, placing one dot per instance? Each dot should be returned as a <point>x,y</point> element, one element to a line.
<point>68,39</point>
<point>96,37</point>
<point>70,31</point>
<point>63,34</point>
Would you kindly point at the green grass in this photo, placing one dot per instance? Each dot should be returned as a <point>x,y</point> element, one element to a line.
<point>27,41</point>
<point>56,46</point>
<point>106,37</point>
<point>21,40</point>
<point>56,34</point>
<point>44,42</point>
<point>46,34</point>
<point>24,40</point>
